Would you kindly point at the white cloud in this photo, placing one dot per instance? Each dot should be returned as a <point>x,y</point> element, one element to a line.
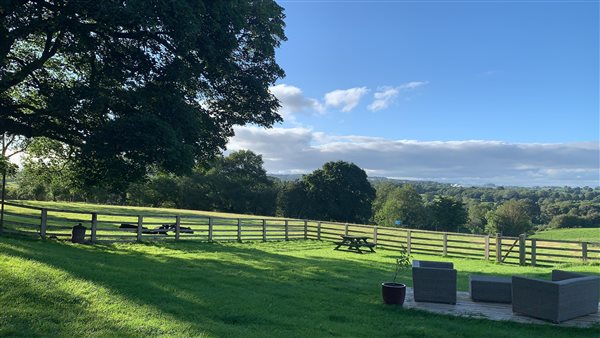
<point>301,150</point>
<point>346,99</point>
<point>293,101</point>
<point>385,96</point>
<point>413,84</point>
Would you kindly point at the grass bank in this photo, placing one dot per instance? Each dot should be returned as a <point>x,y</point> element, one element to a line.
<point>192,288</point>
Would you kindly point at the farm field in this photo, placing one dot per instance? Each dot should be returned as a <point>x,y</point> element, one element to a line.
<point>578,234</point>
<point>193,288</point>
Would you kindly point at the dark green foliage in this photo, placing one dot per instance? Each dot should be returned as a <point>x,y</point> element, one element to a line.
<point>134,86</point>
<point>447,214</point>
<point>572,221</point>
<point>236,183</point>
<point>292,199</point>
<point>339,191</point>
<point>510,219</point>
<point>402,204</point>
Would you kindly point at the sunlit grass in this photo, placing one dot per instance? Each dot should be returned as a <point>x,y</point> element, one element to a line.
<point>193,288</point>
<point>578,234</point>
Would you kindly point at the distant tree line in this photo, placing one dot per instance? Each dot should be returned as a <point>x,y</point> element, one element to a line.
<point>339,191</point>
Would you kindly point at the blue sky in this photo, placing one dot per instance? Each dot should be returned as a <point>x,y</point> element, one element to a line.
<point>440,75</point>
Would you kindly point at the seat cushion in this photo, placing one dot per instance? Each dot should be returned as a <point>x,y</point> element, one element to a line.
<point>490,288</point>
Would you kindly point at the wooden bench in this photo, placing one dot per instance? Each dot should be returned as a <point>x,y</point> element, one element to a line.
<point>354,243</point>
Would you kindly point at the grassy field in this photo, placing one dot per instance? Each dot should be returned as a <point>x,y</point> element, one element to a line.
<point>578,234</point>
<point>192,289</point>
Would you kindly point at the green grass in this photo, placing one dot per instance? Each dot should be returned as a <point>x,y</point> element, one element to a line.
<point>192,289</point>
<point>132,210</point>
<point>578,234</point>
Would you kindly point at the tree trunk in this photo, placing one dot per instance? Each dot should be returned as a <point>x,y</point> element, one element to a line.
<point>3,197</point>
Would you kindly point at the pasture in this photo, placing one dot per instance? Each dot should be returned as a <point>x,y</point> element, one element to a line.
<point>574,234</point>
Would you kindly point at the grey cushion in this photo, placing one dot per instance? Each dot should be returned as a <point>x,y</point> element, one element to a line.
<point>490,288</point>
<point>559,300</point>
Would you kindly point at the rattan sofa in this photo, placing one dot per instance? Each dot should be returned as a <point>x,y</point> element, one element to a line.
<point>568,295</point>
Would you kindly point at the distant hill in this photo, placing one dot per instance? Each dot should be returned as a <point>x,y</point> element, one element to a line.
<point>373,179</point>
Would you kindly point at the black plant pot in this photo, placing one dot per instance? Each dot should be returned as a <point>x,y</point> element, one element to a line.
<point>393,293</point>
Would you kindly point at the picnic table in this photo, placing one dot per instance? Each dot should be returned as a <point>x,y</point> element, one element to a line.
<point>355,243</point>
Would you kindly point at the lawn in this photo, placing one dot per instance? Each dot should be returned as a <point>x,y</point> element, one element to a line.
<point>577,234</point>
<point>192,288</point>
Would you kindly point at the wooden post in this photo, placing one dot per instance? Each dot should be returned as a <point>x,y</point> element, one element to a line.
<point>375,235</point>
<point>264,230</point>
<point>498,248</point>
<point>139,227</point>
<point>210,229</point>
<point>239,230</point>
<point>487,248</point>
<point>584,252</point>
<point>445,248</point>
<point>286,230</point>
<point>408,241</point>
<point>533,251</point>
<point>177,227</point>
<point>94,226</point>
<point>346,229</point>
<point>44,223</point>
<point>305,229</point>
<point>319,231</point>
<point>522,244</point>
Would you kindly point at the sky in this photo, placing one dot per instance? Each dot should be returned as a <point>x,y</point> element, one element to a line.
<point>468,92</point>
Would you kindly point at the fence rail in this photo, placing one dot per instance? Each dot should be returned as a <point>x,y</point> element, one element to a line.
<point>502,249</point>
<point>105,226</point>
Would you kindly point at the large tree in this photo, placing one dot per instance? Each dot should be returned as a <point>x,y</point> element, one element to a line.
<point>339,191</point>
<point>510,219</point>
<point>447,214</point>
<point>135,85</point>
<point>405,205</point>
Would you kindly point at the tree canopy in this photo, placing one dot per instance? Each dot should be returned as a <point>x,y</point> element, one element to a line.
<point>339,191</point>
<point>138,84</point>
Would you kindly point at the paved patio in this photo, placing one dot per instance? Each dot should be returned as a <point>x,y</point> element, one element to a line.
<point>465,307</point>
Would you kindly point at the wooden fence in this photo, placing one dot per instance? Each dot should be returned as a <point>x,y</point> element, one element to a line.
<point>515,250</point>
<point>48,222</point>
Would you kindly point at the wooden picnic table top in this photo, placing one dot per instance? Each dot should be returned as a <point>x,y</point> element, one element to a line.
<point>354,237</point>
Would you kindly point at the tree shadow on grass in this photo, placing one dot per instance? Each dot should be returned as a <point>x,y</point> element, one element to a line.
<point>190,288</point>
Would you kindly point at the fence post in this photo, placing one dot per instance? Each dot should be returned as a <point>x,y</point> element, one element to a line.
<point>487,248</point>
<point>346,229</point>
<point>210,229</point>
<point>44,223</point>
<point>445,248</point>
<point>498,248</point>
<point>139,227</point>
<point>522,244</point>
<point>408,241</point>
<point>375,235</point>
<point>94,226</point>
<point>177,227</point>
<point>264,230</point>
<point>286,230</point>
<point>305,229</point>
<point>239,230</point>
<point>319,230</point>
<point>533,251</point>
<point>584,251</point>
